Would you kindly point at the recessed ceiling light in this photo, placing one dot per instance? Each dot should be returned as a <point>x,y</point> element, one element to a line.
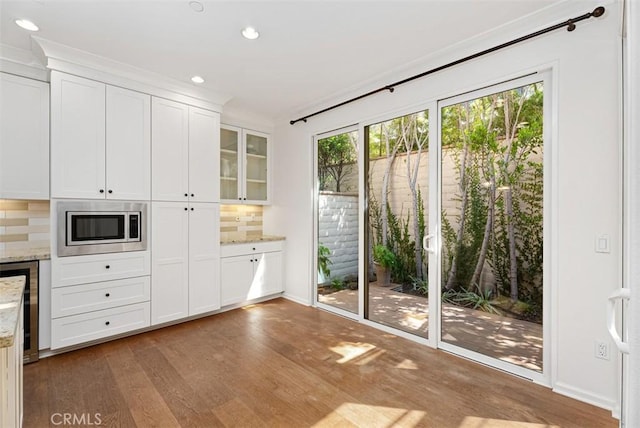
<point>197,79</point>
<point>27,25</point>
<point>250,33</point>
<point>196,6</point>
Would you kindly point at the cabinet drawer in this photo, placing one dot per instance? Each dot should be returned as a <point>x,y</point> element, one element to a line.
<point>82,328</point>
<point>101,267</point>
<point>231,250</point>
<point>78,299</point>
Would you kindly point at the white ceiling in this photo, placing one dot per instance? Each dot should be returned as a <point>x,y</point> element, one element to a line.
<point>308,50</point>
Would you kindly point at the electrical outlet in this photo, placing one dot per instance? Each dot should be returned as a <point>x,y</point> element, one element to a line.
<point>602,350</point>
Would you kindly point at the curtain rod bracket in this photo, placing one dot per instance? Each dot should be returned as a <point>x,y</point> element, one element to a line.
<point>570,24</point>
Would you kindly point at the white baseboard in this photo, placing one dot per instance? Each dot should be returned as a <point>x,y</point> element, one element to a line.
<point>296,299</point>
<point>587,397</point>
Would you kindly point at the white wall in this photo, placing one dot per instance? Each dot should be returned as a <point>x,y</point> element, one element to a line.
<point>586,104</point>
<point>338,231</point>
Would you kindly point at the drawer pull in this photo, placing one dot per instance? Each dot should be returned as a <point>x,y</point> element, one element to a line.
<point>110,191</point>
<point>185,195</point>
<point>107,267</point>
<point>107,295</point>
<point>185,208</point>
<point>192,195</point>
<point>107,323</point>
<point>101,190</point>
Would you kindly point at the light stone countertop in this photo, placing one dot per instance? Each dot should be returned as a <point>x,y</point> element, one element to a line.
<point>24,255</point>
<point>248,240</point>
<point>11,290</point>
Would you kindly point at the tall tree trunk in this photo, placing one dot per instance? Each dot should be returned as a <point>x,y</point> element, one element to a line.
<point>511,230</point>
<point>391,155</point>
<point>463,210</point>
<point>511,129</point>
<point>488,228</point>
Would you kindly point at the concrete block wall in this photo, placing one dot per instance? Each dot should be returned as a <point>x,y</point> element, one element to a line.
<point>338,231</point>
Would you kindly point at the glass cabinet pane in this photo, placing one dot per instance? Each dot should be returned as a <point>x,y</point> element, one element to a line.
<point>229,188</point>
<point>256,167</point>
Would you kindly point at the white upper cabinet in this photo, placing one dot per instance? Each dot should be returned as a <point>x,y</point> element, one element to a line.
<point>244,166</point>
<point>185,155</point>
<point>100,142</point>
<point>128,144</point>
<point>24,138</point>
<point>204,149</point>
<point>170,154</point>
<point>77,137</point>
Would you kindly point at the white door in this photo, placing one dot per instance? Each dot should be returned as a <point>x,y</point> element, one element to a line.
<point>128,146</point>
<point>268,273</point>
<point>169,261</point>
<point>77,137</point>
<point>204,258</point>
<point>170,154</point>
<point>236,278</point>
<point>24,138</point>
<point>204,155</point>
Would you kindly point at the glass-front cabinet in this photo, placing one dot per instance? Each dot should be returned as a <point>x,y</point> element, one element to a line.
<point>244,166</point>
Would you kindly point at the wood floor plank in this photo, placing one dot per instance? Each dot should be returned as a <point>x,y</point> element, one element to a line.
<point>286,365</point>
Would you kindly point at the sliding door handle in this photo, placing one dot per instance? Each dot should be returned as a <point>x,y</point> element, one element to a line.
<point>426,243</point>
<point>620,294</point>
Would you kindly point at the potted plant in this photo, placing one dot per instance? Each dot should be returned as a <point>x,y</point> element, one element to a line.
<point>383,260</point>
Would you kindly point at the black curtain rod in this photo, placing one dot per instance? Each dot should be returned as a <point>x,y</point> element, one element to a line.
<point>570,24</point>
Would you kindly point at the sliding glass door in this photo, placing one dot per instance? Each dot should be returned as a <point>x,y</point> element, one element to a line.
<point>453,234</point>
<point>337,221</point>
<point>492,217</point>
<point>398,216</point>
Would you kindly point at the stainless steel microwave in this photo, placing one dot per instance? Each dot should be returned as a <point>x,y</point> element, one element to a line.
<point>101,227</point>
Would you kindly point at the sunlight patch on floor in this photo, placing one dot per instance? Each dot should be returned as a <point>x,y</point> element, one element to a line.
<point>350,350</point>
<point>407,365</point>
<point>364,415</point>
<point>475,422</point>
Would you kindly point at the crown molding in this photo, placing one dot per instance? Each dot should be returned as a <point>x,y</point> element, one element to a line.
<point>59,57</point>
<point>21,62</point>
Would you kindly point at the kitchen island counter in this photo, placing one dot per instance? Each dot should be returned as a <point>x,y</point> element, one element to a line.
<point>11,290</point>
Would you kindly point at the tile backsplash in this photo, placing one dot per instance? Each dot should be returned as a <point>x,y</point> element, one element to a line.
<point>24,224</point>
<point>239,222</point>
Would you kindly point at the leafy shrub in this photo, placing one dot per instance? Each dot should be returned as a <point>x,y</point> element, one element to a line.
<point>323,260</point>
<point>384,256</point>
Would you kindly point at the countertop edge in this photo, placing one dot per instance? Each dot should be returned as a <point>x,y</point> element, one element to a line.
<point>25,255</point>
<point>263,239</point>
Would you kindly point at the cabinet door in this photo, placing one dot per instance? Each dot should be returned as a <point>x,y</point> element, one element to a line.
<point>77,137</point>
<point>269,273</point>
<point>170,154</point>
<point>128,143</point>
<point>235,279</point>
<point>230,164</point>
<point>256,168</point>
<point>169,261</point>
<point>24,138</point>
<point>204,258</point>
<point>204,155</point>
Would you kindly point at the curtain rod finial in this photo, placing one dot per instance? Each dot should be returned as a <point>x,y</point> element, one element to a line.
<point>598,11</point>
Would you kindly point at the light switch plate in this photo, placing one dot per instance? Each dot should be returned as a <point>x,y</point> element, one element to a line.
<point>603,244</point>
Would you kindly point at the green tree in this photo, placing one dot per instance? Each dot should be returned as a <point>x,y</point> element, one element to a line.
<point>334,155</point>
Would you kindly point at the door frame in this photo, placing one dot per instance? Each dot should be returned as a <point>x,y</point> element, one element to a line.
<point>314,256</point>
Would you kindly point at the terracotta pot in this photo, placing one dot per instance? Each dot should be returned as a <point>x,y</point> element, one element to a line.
<point>383,275</point>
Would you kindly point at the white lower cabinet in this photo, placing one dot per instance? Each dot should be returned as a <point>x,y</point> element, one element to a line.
<point>250,271</point>
<point>97,296</point>
<point>72,330</point>
<point>185,242</point>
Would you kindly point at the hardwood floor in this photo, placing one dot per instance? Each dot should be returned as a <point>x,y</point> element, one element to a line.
<point>286,365</point>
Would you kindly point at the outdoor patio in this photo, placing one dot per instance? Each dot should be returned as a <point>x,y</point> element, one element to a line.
<point>508,339</point>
